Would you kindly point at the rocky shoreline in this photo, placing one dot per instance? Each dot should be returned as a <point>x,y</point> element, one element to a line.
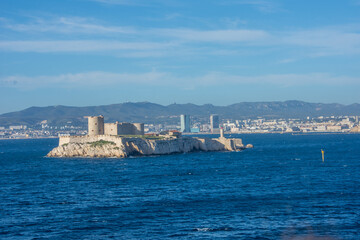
<point>125,147</point>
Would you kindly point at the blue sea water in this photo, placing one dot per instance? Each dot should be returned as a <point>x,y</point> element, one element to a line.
<point>280,189</point>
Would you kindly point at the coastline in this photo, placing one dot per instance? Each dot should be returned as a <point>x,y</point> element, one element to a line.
<point>292,133</point>
<point>30,138</point>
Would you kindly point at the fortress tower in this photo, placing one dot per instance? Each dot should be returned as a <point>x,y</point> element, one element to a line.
<point>95,125</point>
<point>139,128</point>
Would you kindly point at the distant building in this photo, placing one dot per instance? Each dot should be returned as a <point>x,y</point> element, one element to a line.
<point>170,133</point>
<point>355,129</point>
<point>333,128</point>
<point>195,130</point>
<point>214,123</point>
<point>321,128</point>
<point>184,123</point>
<point>18,127</point>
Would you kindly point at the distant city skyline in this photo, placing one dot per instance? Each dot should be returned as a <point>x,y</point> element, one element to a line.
<point>98,52</point>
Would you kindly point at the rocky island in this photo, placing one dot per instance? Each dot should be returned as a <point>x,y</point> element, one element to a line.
<point>122,140</point>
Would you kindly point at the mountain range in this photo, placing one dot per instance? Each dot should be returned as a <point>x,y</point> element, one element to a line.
<point>147,112</point>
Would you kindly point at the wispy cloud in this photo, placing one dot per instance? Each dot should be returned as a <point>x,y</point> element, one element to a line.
<point>79,46</point>
<point>239,35</point>
<point>287,60</point>
<point>139,3</point>
<point>233,23</point>
<point>356,2</point>
<point>325,41</point>
<point>284,80</point>
<point>79,80</point>
<point>121,2</point>
<point>76,25</point>
<point>155,78</point>
<point>65,25</point>
<point>261,5</point>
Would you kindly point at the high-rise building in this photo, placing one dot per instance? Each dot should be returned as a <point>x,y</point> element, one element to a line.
<point>214,123</point>
<point>184,123</point>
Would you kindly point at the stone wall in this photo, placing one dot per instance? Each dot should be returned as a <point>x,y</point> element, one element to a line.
<point>85,139</point>
<point>126,129</point>
<point>111,129</point>
<point>139,129</point>
<point>231,144</point>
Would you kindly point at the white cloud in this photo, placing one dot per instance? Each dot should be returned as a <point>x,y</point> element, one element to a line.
<point>326,41</point>
<point>233,23</point>
<point>75,25</point>
<point>286,60</point>
<point>284,80</point>
<point>357,2</point>
<point>155,78</point>
<point>65,25</point>
<point>80,46</point>
<point>217,36</point>
<point>79,80</point>
<point>261,5</point>
<point>120,2</point>
<point>139,3</point>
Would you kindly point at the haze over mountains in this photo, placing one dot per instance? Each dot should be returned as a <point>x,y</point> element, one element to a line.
<point>155,113</point>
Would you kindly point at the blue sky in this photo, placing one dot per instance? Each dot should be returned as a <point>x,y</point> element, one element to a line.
<point>94,52</point>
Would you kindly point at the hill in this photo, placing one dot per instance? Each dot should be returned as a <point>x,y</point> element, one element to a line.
<point>155,113</point>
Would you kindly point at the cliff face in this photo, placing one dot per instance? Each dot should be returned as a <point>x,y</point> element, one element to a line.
<point>138,147</point>
<point>87,150</point>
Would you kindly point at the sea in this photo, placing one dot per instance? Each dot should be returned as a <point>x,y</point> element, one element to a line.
<point>280,189</point>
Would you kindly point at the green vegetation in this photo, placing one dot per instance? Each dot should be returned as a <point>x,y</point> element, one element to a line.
<point>100,143</point>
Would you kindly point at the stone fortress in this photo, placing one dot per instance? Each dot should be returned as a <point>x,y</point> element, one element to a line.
<point>96,126</point>
<point>127,139</point>
<point>99,130</point>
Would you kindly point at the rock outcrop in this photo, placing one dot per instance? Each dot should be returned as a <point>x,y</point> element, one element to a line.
<point>125,147</point>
